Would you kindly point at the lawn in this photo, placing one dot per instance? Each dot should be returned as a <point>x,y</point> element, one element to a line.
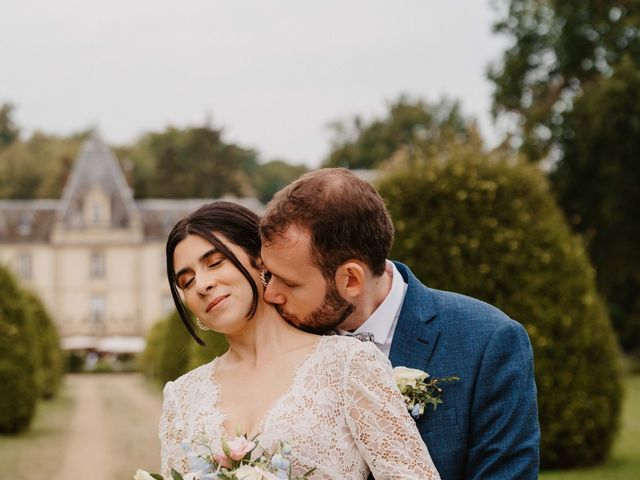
<point>37,453</point>
<point>624,463</point>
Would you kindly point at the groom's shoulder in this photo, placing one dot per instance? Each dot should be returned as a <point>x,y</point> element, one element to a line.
<point>451,307</point>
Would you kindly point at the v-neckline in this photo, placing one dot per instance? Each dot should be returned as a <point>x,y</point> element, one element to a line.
<point>259,426</point>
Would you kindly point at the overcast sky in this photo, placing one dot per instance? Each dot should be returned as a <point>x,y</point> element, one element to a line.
<point>273,74</point>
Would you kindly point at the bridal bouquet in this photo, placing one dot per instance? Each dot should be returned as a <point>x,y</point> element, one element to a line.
<point>420,389</point>
<point>238,459</point>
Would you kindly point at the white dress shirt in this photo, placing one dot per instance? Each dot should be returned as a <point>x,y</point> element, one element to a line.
<point>382,322</point>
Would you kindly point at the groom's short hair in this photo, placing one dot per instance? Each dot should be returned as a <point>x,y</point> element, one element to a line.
<point>344,215</point>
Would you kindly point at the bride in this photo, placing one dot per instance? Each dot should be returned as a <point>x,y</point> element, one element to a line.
<point>332,398</point>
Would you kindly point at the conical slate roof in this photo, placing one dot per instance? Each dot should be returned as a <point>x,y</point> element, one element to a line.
<point>97,167</point>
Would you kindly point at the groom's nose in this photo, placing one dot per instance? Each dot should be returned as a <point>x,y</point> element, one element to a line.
<point>271,293</point>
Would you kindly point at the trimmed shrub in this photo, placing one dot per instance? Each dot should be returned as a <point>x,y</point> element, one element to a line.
<point>49,355</point>
<point>149,360</point>
<point>74,362</point>
<point>488,227</point>
<point>215,346</point>
<point>18,388</point>
<point>174,350</point>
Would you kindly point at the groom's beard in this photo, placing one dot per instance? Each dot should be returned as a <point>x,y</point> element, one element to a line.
<point>332,312</point>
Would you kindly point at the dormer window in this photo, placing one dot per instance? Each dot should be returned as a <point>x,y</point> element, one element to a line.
<point>97,208</point>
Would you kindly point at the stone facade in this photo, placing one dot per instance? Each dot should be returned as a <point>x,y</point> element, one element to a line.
<point>96,256</point>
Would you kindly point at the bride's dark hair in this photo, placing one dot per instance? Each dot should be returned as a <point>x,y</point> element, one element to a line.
<point>236,223</point>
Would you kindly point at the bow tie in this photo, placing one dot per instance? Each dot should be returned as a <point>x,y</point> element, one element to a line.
<point>363,336</point>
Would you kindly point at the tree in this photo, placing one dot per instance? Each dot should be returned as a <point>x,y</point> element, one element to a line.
<point>9,132</point>
<point>37,167</point>
<point>190,163</point>
<point>558,49</point>
<point>414,125</point>
<point>571,78</point>
<point>270,177</point>
<point>487,226</point>
<point>597,181</point>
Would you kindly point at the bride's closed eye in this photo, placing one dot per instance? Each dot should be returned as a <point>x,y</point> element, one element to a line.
<point>215,263</point>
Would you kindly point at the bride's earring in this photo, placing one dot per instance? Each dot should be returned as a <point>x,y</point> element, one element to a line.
<point>265,276</point>
<point>201,325</point>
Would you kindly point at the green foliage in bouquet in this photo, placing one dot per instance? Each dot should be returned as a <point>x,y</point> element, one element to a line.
<point>18,388</point>
<point>49,355</point>
<point>487,226</point>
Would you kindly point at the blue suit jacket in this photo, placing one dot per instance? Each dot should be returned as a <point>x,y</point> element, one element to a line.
<point>487,427</point>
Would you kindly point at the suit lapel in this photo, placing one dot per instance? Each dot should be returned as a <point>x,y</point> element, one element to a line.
<point>417,330</point>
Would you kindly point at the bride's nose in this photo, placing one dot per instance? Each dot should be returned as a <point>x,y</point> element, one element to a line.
<point>205,282</point>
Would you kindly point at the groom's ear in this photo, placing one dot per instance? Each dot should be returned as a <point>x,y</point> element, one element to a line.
<point>350,279</point>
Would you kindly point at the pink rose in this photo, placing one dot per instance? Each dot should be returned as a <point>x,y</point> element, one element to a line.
<point>239,447</point>
<point>222,460</point>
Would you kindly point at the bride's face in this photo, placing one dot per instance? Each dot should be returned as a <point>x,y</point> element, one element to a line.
<point>213,288</point>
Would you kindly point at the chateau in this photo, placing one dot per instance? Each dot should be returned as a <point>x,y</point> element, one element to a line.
<point>96,256</point>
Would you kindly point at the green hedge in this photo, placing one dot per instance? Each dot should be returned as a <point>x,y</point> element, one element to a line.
<point>489,228</point>
<point>18,387</point>
<point>149,360</point>
<point>174,350</point>
<point>215,346</point>
<point>49,355</point>
<point>171,352</point>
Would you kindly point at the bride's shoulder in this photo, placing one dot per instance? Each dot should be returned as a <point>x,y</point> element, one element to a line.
<point>193,378</point>
<point>348,348</point>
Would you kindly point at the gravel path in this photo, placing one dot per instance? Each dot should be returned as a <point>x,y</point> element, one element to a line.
<point>113,429</point>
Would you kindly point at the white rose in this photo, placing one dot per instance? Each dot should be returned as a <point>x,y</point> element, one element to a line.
<point>247,472</point>
<point>142,475</point>
<point>408,376</point>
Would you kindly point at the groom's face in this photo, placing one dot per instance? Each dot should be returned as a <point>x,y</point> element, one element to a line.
<point>299,291</point>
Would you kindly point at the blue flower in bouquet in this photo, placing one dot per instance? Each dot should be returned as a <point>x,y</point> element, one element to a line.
<point>280,462</point>
<point>235,461</point>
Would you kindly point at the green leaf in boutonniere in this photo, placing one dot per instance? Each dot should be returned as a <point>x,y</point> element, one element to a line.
<point>420,389</point>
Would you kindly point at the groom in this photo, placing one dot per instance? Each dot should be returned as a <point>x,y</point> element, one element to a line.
<point>326,238</point>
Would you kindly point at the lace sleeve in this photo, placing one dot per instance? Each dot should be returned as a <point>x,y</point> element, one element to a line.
<point>384,432</point>
<point>171,433</point>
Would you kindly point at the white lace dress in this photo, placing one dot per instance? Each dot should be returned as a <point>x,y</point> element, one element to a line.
<point>342,414</point>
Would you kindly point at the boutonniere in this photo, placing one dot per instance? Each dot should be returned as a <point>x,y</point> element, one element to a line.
<point>420,389</point>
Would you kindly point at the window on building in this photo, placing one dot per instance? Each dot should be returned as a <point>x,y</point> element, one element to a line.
<point>25,225</point>
<point>96,213</point>
<point>98,310</point>
<point>97,265</point>
<point>23,266</point>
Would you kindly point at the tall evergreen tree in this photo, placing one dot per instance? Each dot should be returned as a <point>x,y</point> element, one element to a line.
<point>558,48</point>
<point>570,78</point>
<point>598,185</point>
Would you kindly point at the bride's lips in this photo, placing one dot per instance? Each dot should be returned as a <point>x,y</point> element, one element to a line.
<point>215,302</point>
